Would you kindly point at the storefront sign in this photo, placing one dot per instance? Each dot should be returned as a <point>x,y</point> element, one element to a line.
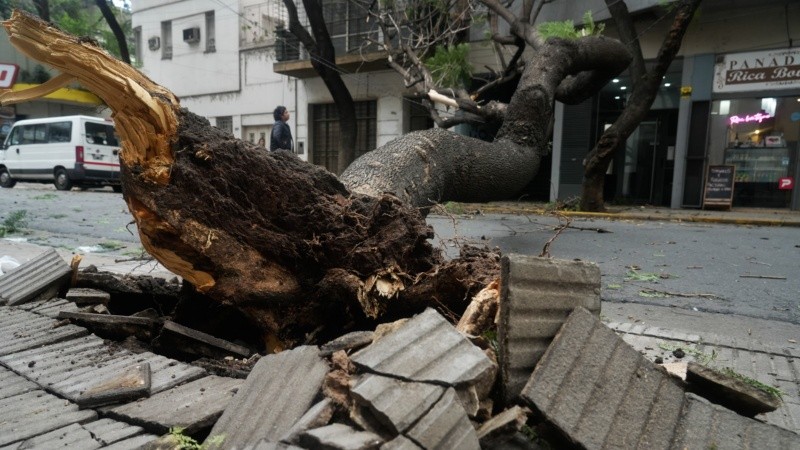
<point>753,71</point>
<point>786,183</point>
<point>718,191</point>
<point>757,117</point>
<point>8,75</point>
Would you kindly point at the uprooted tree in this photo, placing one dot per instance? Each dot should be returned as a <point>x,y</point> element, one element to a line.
<point>298,250</point>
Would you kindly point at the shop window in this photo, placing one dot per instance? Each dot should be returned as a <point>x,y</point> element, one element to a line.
<point>759,137</point>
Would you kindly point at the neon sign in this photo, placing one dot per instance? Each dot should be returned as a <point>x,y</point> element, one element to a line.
<point>757,117</point>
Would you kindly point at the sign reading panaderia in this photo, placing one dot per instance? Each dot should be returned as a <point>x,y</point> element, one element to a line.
<point>774,69</point>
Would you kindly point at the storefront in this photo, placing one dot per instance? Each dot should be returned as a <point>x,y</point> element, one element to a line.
<point>755,125</point>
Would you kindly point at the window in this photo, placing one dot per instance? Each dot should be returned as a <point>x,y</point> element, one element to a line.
<point>419,118</point>
<point>61,132</point>
<point>259,23</point>
<point>210,34</point>
<point>137,45</point>
<point>225,123</point>
<point>101,133</point>
<point>166,40</point>
<point>347,24</point>
<point>327,139</point>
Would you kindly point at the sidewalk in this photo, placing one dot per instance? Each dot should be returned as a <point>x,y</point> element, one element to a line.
<point>736,216</point>
<point>767,351</point>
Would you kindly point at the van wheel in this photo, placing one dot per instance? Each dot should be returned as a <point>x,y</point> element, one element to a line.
<point>116,188</point>
<point>5,179</point>
<point>62,181</point>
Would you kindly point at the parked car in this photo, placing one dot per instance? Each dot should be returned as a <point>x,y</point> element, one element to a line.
<point>66,151</point>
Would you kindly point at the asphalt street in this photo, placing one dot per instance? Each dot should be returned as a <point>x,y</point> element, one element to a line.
<point>746,271</point>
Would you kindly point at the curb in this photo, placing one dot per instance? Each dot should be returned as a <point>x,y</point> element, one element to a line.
<point>673,217</point>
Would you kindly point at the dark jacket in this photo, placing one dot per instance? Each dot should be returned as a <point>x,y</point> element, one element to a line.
<point>281,137</point>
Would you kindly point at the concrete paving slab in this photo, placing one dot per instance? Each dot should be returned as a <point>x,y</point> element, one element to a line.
<point>600,392</point>
<point>114,326</point>
<point>21,330</point>
<point>733,393</point>
<point>317,416</point>
<point>277,393</point>
<point>109,431</point>
<point>349,341</point>
<point>446,425</point>
<point>536,296</point>
<point>400,443</point>
<point>193,406</point>
<point>338,436</point>
<point>71,436</point>
<point>49,308</point>
<point>395,404</point>
<point>134,443</point>
<point>33,413</point>
<point>45,273</point>
<point>71,367</point>
<point>12,384</point>
<point>88,296</point>
<point>705,425</point>
<point>427,348</point>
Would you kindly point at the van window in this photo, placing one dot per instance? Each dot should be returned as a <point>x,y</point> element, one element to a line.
<point>100,133</point>
<point>42,133</point>
<point>60,132</point>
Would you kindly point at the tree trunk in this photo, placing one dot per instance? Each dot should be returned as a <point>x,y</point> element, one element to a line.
<point>281,239</point>
<point>112,22</point>
<point>645,89</point>
<point>285,241</point>
<point>323,60</point>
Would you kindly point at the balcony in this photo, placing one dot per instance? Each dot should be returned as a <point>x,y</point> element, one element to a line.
<point>301,68</point>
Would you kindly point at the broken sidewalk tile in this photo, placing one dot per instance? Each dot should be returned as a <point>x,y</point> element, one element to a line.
<point>196,343</point>
<point>502,427</point>
<point>267,445</point>
<point>114,326</point>
<point>600,392</point>
<point>400,443</point>
<point>536,296</point>
<point>319,415</point>
<point>43,276</point>
<point>194,406</point>
<point>396,405</point>
<point>90,435</point>
<point>704,425</point>
<point>278,392</point>
<point>428,348</point>
<point>33,413</point>
<point>349,341</point>
<point>49,308</point>
<point>21,330</point>
<point>132,383</point>
<point>337,436</point>
<point>87,296</point>
<point>730,392</point>
<point>12,384</point>
<point>446,425</point>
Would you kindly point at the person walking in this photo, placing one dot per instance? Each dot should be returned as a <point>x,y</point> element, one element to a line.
<point>281,136</point>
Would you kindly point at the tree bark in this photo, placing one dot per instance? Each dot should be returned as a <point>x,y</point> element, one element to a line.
<point>645,88</point>
<point>323,60</point>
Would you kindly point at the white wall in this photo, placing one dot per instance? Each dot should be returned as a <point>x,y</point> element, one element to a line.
<point>192,70</point>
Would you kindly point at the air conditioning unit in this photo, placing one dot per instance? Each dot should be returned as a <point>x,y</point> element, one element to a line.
<point>154,43</point>
<point>191,35</point>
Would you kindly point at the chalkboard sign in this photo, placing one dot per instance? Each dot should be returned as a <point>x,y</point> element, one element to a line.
<point>719,186</point>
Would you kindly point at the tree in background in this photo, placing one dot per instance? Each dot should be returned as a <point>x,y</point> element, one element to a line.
<point>108,25</point>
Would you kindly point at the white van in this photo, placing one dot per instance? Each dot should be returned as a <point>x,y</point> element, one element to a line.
<point>66,151</point>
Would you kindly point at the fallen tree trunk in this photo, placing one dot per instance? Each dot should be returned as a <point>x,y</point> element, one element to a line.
<point>285,241</point>
<point>279,238</point>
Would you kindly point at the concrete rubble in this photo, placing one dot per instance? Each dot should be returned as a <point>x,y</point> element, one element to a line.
<point>556,371</point>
